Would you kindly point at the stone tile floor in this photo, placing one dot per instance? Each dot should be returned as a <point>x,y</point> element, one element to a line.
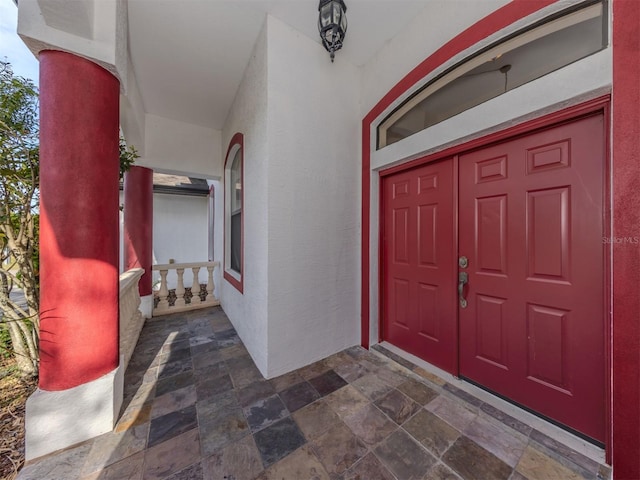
<point>196,407</point>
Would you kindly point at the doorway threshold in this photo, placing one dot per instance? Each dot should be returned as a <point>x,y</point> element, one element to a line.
<point>550,435</point>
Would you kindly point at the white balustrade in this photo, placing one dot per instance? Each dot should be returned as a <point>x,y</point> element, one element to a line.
<point>195,299</point>
<point>131,319</point>
<point>182,303</point>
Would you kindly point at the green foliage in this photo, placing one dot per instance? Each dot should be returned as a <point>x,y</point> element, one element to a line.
<point>18,104</point>
<point>19,197</point>
<point>19,160</point>
<point>128,156</point>
<point>19,169</point>
<point>19,152</point>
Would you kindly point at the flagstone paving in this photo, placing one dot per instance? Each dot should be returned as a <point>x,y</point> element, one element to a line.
<point>197,408</point>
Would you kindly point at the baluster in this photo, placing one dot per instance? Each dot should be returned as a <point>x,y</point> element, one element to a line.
<point>195,287</point>
<point>210,286</point>
<point>180,288</point>
<point>163,304</point>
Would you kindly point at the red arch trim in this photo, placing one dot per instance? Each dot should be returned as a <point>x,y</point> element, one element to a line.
<point>501,18</point>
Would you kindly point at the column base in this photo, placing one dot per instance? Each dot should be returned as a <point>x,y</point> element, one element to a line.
<point>146,306</point>
<point>57,420</point>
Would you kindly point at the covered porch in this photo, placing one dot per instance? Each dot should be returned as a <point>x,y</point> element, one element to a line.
<point>292,141</point>
<point>196,407</point>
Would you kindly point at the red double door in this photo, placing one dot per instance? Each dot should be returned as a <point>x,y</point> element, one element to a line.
<point>496,274</point>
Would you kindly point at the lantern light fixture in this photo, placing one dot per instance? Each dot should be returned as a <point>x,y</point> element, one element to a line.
<point>332,24</point>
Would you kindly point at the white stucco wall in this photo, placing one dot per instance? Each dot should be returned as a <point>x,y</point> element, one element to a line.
<point>132,115</point>
<point>248,311</point>
<point>94,29</point>
<point>314,201</point>
<point>301,203</point>
<point>180,229</point>
<point>181,148</point>
<point>218,232</point>
<point>422,37</point>
<point>180,232</point>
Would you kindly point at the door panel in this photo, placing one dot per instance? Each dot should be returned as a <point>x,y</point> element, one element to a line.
<point>531,224</point>
<point>418,298</point>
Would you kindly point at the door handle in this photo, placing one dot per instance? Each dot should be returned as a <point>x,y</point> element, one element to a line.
<point>463,279</point>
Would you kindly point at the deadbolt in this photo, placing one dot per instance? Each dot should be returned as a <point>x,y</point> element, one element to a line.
<point>463,262</point>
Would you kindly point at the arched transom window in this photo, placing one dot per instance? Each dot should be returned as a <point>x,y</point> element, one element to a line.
<point>522,57</point>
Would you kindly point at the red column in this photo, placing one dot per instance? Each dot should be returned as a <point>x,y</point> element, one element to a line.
<point>138,224</point>
<point>79,169</point>
<point>626,224</point>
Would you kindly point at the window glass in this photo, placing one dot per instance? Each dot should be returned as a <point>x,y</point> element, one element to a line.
<point>236,183</point>
<point>236,212</point>
<point>236,242</point>
<point>522,58</point>
<point>234,224</point>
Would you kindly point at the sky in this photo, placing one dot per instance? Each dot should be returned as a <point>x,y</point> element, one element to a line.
<point>12,48</point>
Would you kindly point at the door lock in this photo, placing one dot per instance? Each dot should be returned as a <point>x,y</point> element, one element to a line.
<point>463,262</point>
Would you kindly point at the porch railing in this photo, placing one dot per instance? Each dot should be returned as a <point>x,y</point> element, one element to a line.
<point>131,319</point>
<point>184,298</point>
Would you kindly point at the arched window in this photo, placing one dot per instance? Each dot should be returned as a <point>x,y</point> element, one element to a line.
<point>525,56</point>
<point>234,224</point>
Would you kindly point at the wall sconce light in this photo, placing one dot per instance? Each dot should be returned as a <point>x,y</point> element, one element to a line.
<point>332,24</point>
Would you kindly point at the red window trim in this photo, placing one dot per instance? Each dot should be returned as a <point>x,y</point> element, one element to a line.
<point>237,139</point>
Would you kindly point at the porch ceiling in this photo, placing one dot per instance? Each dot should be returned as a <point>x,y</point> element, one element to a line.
<point>189,56</point>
